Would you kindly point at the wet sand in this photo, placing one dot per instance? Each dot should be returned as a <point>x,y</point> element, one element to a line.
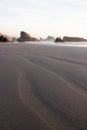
<point>43,87</point>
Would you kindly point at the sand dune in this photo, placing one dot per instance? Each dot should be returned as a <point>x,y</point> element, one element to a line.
<point>42,87</point>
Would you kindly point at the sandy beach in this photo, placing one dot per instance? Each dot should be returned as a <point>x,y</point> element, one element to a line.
<point>43,87</point>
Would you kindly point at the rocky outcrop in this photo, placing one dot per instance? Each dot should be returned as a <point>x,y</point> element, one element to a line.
<point>14,39</point>
<point>26,37</point>
<point>4,38</point>
<point>73,39</point>
<point>58,40</point>
<point>41,39</point>
<point>49,38</point>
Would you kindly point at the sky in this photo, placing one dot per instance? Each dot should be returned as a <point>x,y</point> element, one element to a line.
<point>41,18</point>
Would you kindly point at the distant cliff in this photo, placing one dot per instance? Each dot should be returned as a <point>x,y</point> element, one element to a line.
<point>73,39</point>
<point>26,37</point>
<point>49,38</point>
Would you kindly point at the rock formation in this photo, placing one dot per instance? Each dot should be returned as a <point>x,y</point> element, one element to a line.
<point>14,39</point>
<point>73,39</point>
<point>49,38</point>
<point>58,40</point>
<point>4,38</point>
<point>26,37</point>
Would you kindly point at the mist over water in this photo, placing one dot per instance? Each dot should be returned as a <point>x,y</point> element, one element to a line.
<point>51,43</point>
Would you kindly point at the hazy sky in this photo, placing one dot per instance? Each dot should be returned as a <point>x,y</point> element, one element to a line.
<point>44,17</point>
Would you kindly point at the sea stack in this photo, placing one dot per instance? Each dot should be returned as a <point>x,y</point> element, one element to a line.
<point>58,40</point>
<point>50,38</point>
<point>26,37</point>
<point>4,38</point>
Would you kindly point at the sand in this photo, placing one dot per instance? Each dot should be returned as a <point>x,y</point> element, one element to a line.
<point>43,87</point>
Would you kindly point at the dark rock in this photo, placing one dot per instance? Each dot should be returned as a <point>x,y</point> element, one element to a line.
<point>4,38</point>
<point>73,39</point>
<point>26,37</point>
<point>58,40</point>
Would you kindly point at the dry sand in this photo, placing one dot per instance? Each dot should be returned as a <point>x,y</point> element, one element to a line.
<point>42,87</point>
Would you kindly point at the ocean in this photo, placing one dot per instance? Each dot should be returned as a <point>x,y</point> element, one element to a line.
<point>67,44</point>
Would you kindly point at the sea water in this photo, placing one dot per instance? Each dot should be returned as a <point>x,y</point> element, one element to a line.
<point>50,43</point>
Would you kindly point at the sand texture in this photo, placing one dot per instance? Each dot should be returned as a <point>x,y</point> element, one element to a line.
<point>43,87</point>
